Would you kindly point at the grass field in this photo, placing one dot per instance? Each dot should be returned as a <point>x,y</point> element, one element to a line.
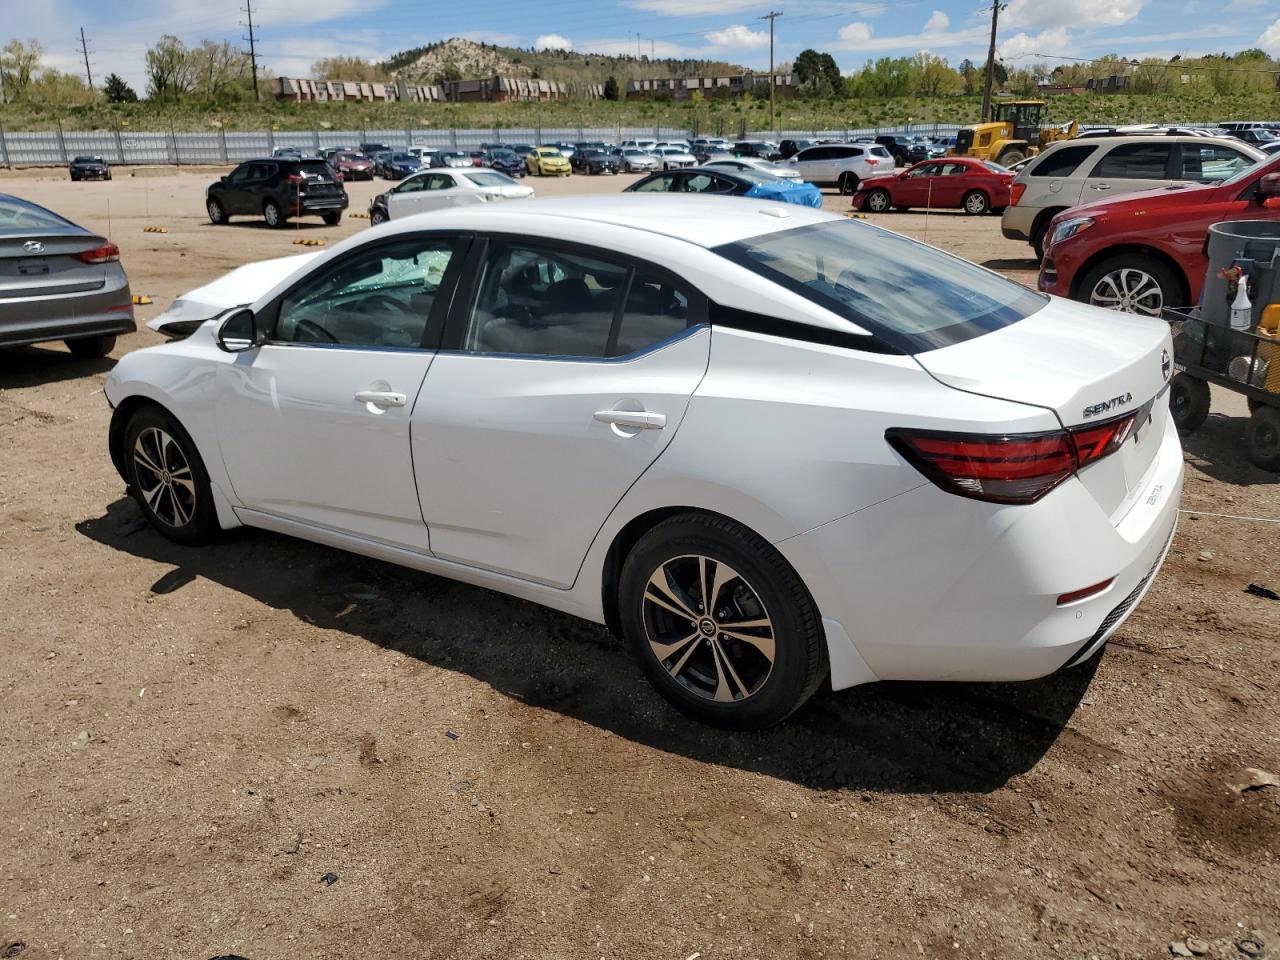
<point>714,117</point>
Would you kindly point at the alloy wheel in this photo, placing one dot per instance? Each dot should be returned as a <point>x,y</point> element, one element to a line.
<point>878,202</point>
<point>708,628</point>
<point>1129,290</point>
<point>164,477</point>
<point>975,203</point>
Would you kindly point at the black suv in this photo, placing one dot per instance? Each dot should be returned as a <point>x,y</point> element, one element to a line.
<point>755,148</point>
<point>789,148</point>
<point>593,160</point>
<point>907,150</point>
<point>89,168</point>
<point>276,189</point>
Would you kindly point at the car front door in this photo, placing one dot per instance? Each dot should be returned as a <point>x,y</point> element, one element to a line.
<point>234,195</point>
<point>1129,167</point>
<point>314,425</point>
<point>916,186</point>
<point>814,164</point>
<point>562,377</point>
<point>424,191</point>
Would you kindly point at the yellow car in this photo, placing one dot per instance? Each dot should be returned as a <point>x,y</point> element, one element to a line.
<point>548,162</point>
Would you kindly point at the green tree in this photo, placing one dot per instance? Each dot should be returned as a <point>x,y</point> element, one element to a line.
<point>808,66</point>
<point>611,89</point>
<point>350,69</point>
<point>117,91</point>
<point>169,70</point>
<point>933,76</point>
<point>18,65</point>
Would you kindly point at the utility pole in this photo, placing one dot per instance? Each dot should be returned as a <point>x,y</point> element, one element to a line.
<point>771,16</point>
<point>991,61</point>
<point>253,52</point>
<point>84,48</point>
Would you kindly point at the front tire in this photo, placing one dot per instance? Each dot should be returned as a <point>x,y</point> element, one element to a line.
<point>1130,283</point>
<point>1188,401</point>
<point>91,348</point>
<point>217,213</point>
<point>721,623</point>
<point>377,215</point>
<point>168,478</point>
<point>1010,157</point>
<point>878,201</point>
<point>975,203</point>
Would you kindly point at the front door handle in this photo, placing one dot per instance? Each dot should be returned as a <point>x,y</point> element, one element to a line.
<point>636,419</point>
<point>381,398</point>
<point>1101,186</point>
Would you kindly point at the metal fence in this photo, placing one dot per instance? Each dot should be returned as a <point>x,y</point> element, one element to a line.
<point>124,146</point>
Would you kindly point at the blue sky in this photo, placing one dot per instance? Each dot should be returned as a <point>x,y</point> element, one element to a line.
<point>294,33</point>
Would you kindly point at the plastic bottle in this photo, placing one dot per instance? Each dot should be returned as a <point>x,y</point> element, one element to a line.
<point>1241,308</point>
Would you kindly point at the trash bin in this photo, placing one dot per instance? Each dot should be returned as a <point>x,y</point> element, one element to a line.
<point>1253,245</point>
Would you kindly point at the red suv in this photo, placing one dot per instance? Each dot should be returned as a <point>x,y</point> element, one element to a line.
<point>1145,251</point>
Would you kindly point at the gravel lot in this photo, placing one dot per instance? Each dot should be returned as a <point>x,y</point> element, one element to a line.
<point>192,739</point>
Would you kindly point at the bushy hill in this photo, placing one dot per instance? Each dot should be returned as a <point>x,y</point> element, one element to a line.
<point>459,59</point>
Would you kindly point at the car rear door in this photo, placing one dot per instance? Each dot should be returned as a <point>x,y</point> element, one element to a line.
<point>1130,167</point>
<point>565,372</point>
<point>314,425</point>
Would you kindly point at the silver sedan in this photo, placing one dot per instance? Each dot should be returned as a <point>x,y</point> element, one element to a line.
<point>59,281</point>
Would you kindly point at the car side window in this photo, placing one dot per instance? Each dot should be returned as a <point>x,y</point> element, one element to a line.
<point>412,185</point>
<point>844,153</point>
<point>926,170</point>
<point>536,301</point>
<point>241,173</point>
<point>1061,163</point>
<point>1211,162</point>
<point>657,308</point>
<point>659,184</point>
<point>704,183</point>
<point>954,169</point>
<point>440,181</point>
<point>379,297</point>
<point>1135,161</point>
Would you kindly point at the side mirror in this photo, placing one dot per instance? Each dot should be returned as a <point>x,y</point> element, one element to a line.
<point>1269,191</point>
<point>224,178</point>
<point>238,332</point>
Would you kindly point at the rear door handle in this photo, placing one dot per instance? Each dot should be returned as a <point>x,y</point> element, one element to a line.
<point>1101,186</point>
<point>381,398</point>
<point>636,419</point>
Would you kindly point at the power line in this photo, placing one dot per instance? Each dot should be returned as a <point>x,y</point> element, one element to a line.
<point>771,16</point>
<point>1171,64</point>
<point>253,51</point>
<point>84,48</point>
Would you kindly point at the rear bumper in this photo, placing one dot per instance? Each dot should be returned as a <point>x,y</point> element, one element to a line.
<point>929,586</point>
<point>322,204</point>
<point>68,316</point>
<point>1016,222</point>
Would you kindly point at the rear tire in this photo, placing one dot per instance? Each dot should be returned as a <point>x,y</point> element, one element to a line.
<point>975,203</point>
<point>333,219</point>
<point>878,201</point>
<point>743,679</point>
<point>1188,401</point>
<point>848,183</point>
<point>1264,438</point>
<point>272,213</point>
<point>91,348</point>
<point>168,478</point>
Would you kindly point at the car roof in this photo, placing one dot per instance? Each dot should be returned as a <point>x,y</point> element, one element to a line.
<point>702,221</point>
<point>1154,138</point>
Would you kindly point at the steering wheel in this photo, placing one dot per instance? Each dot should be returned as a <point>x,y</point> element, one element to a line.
<point>315,328</point>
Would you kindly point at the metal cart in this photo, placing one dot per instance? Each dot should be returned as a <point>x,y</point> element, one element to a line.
<point>1242,362</point>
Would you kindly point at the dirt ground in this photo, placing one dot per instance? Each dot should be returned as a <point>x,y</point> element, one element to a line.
<point>191,739</point>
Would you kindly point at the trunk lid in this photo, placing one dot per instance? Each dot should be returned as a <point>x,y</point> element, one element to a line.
<point>1087,365</point>
<point>44,263</point>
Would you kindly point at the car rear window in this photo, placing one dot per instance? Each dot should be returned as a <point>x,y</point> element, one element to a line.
<point>1061,163</point>
<point>18,216</point>
<point>910,296</point>
<point>313,168</point>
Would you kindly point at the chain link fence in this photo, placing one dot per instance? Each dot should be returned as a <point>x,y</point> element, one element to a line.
<point>222,147</point>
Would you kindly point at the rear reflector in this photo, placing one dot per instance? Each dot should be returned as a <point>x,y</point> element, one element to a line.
<point>106,253</point>
<point>1008,468</point>
<point>1085,593</point>
<point>1018,190</point>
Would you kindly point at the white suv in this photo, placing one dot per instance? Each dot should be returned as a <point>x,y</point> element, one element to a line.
<point>842,165</point>
<point>1072,172</point>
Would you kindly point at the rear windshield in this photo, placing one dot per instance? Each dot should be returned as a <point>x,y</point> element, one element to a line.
<point>489,178</point>
<point>314,168</point>
<point>911,296</point>
<point>18,216</point>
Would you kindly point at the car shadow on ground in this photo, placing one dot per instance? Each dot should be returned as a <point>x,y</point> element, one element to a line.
<point>247,221</point>
<point>890,737</point>
<point>1220,449</point>
<point>32,366</point>
<point>1030,263</point>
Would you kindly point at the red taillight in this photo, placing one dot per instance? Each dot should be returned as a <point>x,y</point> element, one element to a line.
<point>294,178</point>
<point>1009,468</point>
<point>107,253</point>
<point>1016,194</point>
<point>871,161</point>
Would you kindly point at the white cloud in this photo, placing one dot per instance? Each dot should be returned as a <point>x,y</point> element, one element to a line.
<point>856,33</point>
<point>1055,40</point>
<point>1270,39</point>
<point>737,36</point>
<point>552,41</point>
<point>938,22</point>
<point>1071,13</point>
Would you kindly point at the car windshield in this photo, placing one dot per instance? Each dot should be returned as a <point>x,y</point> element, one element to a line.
<point>1272,162</point>
<point>502,155</point>
<point>18,216</point>
<point>912,296</point>
<point>348,157</point>
<point>634,153</point>
<point>489,178</point>
<point>403,158</point>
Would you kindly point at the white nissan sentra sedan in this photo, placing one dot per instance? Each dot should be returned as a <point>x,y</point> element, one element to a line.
<point>767,445</point>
